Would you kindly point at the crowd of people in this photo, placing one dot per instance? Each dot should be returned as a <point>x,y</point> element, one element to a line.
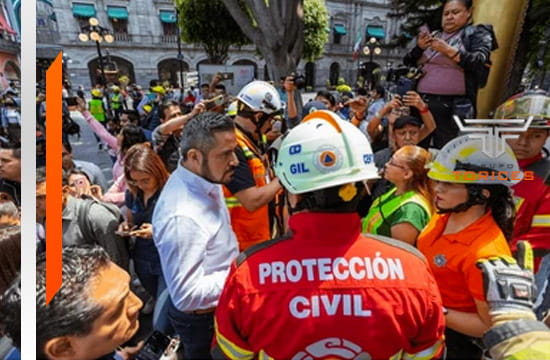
<point>359,225</point>
<point>10,202</point>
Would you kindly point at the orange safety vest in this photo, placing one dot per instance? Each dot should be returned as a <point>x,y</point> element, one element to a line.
<point>249,227</point>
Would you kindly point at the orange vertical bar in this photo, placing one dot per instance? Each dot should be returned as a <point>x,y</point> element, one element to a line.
<point>53,177</point>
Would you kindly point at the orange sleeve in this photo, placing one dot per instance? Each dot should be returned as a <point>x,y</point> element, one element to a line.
<point>228,326</point>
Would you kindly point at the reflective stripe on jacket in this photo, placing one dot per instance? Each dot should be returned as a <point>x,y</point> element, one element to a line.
<point>378,213</point>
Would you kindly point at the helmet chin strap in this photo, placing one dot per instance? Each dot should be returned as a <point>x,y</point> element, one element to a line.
<point>475,197</point>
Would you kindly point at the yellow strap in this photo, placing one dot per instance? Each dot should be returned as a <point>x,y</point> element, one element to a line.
<point>518,202</point>
<point>231,350</point>
<point>425,354</point>
<point>232,202</point>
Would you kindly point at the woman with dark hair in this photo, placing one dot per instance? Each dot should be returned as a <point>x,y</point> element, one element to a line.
<point>146,175</point>
<point>458,54</point>
<point>403,211</point>
<point>10,255</point>
<point>328,99</point>
<point>474,220</point>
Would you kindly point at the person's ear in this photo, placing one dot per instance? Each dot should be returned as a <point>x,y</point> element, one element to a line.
<point>486,193</point>
<point>59,348</point>
<point>194,155</point>
<point>408,174</point>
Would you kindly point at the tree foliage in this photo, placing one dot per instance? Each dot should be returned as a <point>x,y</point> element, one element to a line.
<point>419,12</point>
<point>316,22</point>
<point>209,24</point>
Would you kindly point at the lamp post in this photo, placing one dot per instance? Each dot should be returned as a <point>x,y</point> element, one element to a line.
<point>372,48</point>
<point>180,56</point>
<point>98,33</point>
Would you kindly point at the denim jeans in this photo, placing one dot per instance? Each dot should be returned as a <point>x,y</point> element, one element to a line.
<point>150,276</point>
<point>542,279</point>
<point>195,331</point>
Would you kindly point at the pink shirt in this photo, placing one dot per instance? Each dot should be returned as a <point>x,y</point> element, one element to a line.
<point>442,76</point>
<point>115,194</point>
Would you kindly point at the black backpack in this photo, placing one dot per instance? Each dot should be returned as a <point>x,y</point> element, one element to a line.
<point>69,126</point>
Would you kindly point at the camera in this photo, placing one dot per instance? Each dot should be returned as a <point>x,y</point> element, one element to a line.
<point>226,76</point>
<point>299,81</point>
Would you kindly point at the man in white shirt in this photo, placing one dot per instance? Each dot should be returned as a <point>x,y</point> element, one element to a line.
<point>192,230</point>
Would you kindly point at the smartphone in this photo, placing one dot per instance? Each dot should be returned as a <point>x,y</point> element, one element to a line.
<point>71,101</point>
<point>126,233</point>
<point>404,85</point>
<point>154,347</point>
<point>226,75</point>
<point>424,29</point>
<point>215,101</point>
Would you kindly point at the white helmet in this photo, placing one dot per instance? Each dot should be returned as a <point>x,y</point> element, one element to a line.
<point>476,159</point>
<point>324,151</point>
<point>261,96</point>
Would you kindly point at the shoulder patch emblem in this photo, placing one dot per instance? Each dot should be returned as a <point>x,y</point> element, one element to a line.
<point>440,260</point>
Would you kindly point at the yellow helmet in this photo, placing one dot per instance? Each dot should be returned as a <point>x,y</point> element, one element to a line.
<point>158,89</point>
<point>476,159</point>
<point>96,93</point>
<point>115,88</point>
<point>147,108</point>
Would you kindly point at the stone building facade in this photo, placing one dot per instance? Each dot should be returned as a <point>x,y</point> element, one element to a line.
<point>10,46</point>
<point>145,45</point>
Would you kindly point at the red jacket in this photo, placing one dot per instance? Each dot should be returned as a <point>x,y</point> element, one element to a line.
<point>533,207</point>
<point>328,291</point>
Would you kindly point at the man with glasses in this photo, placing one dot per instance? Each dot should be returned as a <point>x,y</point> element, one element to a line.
<point>249,194</point>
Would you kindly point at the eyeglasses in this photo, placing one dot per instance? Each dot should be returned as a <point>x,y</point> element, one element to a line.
<point>392,163</point>
<point>145,182</point>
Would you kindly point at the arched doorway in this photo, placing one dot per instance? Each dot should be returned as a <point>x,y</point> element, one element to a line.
<point>248,62</point>
<point>169,70</point>
<point>334,73</point>
<point>115,69</point>
<point>310,75</point>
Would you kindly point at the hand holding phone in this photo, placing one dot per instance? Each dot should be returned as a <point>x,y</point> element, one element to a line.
<point>215,101</point>
<point>157,347</point>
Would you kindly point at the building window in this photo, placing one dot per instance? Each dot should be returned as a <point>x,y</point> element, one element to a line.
<point>169,29</point>
<point>338,31</point>
<point>119,26</point>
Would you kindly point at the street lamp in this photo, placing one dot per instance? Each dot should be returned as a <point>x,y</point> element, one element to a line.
<point>180,56</point>
<point>97,33</point>
<point>372,48</point>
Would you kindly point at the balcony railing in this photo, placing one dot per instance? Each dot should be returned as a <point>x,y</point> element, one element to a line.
<point>169,39</point>
<point>122,37</point>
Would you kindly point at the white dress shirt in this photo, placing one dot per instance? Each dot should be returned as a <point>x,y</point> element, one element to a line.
<point>193,235</point>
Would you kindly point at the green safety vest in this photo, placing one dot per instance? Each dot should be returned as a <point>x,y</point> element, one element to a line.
<point>116,101</point>
<point>97,110</point>
<point>374,218</point>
